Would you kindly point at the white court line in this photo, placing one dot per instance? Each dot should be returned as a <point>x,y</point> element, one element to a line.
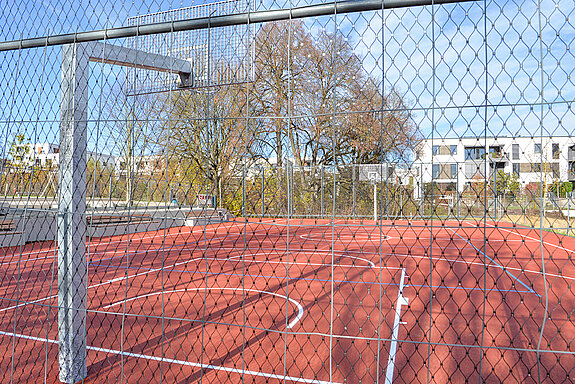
<point>24,261</point>
<point>239,257</point>
<point>344,237</point>
<point>338,254</point>
<point>386,267</point>
<point>108,281</point>
<point>300,311</point>
<point>103,283</point>
<point>121,252</point>
<point>401,300</point>
<point>180,362</point>
<point>26,303</point>
<point>482,264</point>
<point>166,268</point>
<point>277,223</point>
<point>531,238</point>
<point>222,226</point>
<point>457,239</point>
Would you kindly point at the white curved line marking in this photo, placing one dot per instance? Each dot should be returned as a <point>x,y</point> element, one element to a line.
<point>369,262</point>
<point>343,237</point>
<point>290,325</point>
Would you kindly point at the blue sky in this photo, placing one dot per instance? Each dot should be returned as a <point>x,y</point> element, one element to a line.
<point>437,58</point>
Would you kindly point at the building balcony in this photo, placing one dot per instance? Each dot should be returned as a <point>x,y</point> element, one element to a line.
<point>498,157</point>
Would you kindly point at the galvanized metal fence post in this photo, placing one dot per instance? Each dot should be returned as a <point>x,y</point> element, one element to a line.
<point>375,201</point>
<point>321,171</point>
<point>72,268</point>
<point>569,216</point>
<point>421,191</point>
<point>458,192</point>
<point>353,188</point>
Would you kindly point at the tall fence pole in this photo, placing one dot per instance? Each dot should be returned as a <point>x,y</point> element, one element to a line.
<point>321,171</point>
<point>421,202</point>
<point>495,193</point>
<point>568,216</point>
<point>387,192</point>
<point>375,201</point>
<point>353,188</point>
<point>524,209</point>
<point>458,192</point>
<point>72,268</point>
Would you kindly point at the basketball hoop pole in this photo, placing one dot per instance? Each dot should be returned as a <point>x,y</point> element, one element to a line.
<point>375,201</point>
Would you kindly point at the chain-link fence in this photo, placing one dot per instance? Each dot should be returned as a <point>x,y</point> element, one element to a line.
<point>347,192</point>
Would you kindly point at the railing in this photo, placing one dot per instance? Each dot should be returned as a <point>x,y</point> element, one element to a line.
<point>498,156</point>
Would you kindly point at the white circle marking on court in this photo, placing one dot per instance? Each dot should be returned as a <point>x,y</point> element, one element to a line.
<point>294,302</point>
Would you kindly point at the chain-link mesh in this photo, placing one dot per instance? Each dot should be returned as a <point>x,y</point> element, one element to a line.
<point>304,192</point>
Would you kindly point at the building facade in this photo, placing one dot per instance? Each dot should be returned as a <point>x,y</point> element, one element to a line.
<point>460,161</point>
<point>47,155</point>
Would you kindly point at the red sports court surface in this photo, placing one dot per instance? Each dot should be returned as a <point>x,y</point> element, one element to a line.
<point>304,301</point>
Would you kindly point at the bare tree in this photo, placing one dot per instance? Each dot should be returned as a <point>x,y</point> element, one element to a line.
<point>207,135</point>
<point>336,112</point>
<point>280,66</point>
<point>130,122</point>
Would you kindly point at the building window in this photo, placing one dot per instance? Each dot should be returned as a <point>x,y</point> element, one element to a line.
<point>435,171</point>
<point>453,149</point>
<point>474,170</point>
<point>537,148</point>
<point>495,152</point>
<point>515,151</point>
<point>435,149</point>
<point>516,168</point>
<point>556,151</point>
<point>536,167</point>
<point>555,170</point>
<point>474,153</point>
<point>453,171</point>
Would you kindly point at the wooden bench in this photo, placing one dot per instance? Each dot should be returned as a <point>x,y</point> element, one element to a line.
<point>116,219</point>
<point>7,225</point>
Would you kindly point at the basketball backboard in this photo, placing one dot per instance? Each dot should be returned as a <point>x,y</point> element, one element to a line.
<point>375,173</point>
<point>218,56</point>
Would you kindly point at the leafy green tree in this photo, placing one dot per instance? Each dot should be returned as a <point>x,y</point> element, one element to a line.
<point>19,150</point>
<point>561,189</point>
<point>507,184</point>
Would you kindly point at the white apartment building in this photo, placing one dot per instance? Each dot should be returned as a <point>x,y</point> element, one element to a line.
<point>48,155</point>
<point>460,161</point>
